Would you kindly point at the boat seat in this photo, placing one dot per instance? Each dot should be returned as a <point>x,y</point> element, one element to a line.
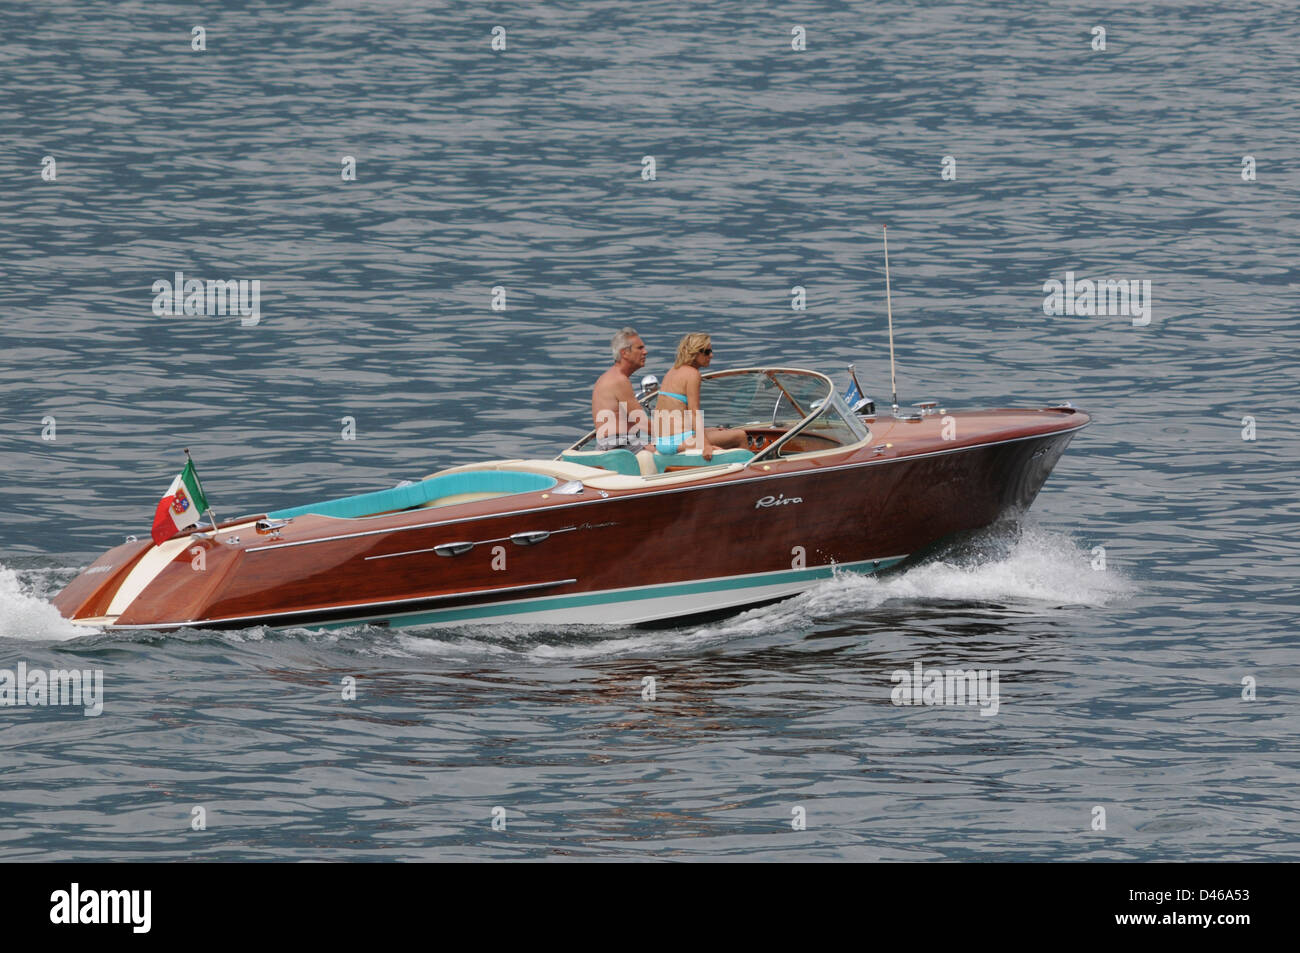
<point>557,468</point>
<point>619,461</point>
<point>693,458</point>
<point>475,484</point>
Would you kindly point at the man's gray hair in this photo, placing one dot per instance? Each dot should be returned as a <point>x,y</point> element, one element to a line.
<point>621,340</point>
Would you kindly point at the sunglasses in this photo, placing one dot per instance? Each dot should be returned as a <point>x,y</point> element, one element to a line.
<point>707,350</point>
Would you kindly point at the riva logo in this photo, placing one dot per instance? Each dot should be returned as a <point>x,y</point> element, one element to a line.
<point>103,906</point>
<point>779,500</point>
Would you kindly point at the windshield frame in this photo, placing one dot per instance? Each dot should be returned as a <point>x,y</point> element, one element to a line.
<point>823,403</point>
<point>820,406</point>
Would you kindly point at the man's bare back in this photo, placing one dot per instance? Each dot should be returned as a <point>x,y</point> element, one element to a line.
<point>615,411</point>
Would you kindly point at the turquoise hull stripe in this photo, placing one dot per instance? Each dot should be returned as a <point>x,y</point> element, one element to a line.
<point>546,603</point>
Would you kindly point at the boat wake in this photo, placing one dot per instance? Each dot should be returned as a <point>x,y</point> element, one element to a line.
<point>1009,571</point>
<point>26,615</point>
<point>543,643</point>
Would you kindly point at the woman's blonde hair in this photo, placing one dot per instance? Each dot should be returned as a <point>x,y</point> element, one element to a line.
<point>689,346</point>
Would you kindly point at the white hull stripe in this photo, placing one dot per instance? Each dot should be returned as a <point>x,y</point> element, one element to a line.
<point>637,603</point>
<point>151,564</point>
<point>625,606</point>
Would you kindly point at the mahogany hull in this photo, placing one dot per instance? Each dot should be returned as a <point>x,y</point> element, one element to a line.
<point>616,556</point>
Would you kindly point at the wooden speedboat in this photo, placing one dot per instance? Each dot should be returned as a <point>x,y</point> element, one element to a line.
<point>590,537</point>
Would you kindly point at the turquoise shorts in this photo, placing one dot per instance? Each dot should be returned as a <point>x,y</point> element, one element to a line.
<point>673,443</point>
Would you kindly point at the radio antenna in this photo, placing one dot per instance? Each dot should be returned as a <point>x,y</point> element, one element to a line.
<point>889,311</point>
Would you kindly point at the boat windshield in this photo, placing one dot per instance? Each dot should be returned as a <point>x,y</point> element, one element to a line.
<point>766,398</point>
<point>836,426</point>
<point>773,400</point>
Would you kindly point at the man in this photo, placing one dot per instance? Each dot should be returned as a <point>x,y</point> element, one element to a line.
<point>620,421</point>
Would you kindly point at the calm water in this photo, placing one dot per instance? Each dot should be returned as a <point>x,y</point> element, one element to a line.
<point>1120,688</point>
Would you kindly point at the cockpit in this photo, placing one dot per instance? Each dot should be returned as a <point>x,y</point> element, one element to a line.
<point>784,412</point>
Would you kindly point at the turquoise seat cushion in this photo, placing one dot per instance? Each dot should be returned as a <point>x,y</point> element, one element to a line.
<point>501,482</point>
<point>663,460</point>
<point>620,461</point>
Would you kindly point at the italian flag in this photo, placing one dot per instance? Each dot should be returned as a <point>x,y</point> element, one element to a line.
<point>180,506</point>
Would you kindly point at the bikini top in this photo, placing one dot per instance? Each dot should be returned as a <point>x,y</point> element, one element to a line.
<point>681,397</point>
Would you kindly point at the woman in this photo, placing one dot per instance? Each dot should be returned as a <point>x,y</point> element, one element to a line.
<point>678,423</point>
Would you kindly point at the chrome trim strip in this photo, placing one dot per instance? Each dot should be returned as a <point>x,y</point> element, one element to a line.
<point>651,491</point>
<point>357,605</point>
<point>478,542</point>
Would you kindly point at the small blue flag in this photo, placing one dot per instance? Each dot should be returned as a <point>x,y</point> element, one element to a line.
<point>852,395</point>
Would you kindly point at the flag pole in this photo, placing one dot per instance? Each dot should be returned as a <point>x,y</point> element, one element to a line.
<point>853,375</point>
<point>211,515</point>
<point>890,311</point>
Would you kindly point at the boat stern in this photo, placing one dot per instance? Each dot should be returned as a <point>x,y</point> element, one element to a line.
<point>86,599</point>
<point>143,585</point>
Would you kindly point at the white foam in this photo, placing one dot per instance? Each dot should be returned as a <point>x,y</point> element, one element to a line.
<point>1038,571</point>
<point>543,643</point>
<point>653,642</point>
<point>23,615</point>
<point>449,648</point>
